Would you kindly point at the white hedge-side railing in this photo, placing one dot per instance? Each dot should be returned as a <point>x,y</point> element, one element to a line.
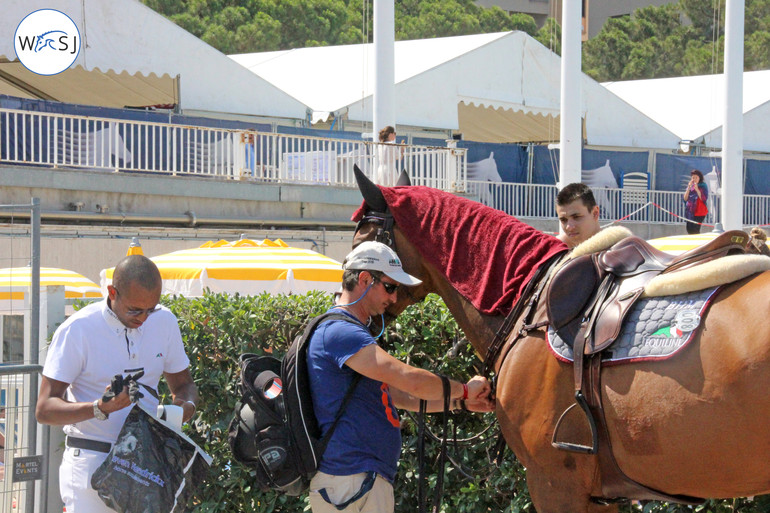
<point>60,140</point>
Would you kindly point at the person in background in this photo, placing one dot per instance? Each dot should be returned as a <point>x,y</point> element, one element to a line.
<point>578,214</point>
<point>358,468</point>
<point>695,197</point>
<point>387,158</point>
<point>759,240</point>
<point>124,334</point>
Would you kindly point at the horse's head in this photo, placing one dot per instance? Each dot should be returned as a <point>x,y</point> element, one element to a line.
<point>378,224</point>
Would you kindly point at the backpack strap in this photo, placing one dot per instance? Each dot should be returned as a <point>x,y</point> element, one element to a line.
<point>349,394</point>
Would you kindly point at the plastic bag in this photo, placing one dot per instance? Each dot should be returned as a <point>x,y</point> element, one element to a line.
<point>151,468</point>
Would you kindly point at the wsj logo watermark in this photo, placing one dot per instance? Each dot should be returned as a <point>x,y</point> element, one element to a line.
<point>47,42</point>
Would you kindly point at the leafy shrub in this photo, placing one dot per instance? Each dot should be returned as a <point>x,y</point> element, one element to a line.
<point>217,328</point>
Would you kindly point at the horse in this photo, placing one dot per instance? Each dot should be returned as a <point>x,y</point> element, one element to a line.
<point>695,425</point>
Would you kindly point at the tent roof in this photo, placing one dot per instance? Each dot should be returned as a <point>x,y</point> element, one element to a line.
<point>693,107</point>
<point>501,87</point>
<point>133,56</point>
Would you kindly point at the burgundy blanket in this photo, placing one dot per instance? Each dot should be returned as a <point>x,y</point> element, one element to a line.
<point>487,255</point>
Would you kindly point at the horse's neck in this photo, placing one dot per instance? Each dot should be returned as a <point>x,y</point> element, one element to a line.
<point>479,329</point>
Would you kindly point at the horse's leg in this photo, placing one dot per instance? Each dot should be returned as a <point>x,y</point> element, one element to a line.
<point>533,390</point>
<point>552,492</point>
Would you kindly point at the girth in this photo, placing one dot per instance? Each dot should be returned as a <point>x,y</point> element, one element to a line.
<point>587,301</point>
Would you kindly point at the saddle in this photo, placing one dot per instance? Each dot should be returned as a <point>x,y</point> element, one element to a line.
<point>587,300</point>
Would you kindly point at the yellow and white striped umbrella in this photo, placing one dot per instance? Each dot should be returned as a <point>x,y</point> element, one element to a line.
<point>678,244</point>
<point>14,282</point>
<point>245,267</point>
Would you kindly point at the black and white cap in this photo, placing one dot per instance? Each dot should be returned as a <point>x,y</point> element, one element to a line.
<point>375,256</point>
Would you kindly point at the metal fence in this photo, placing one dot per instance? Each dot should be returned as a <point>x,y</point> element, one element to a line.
<point>24,444</point>
<point>18,394</point>
<point>60,140</point>
<point>626,205</point>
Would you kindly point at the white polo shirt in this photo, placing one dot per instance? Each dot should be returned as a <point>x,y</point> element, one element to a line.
<point>92,346</point>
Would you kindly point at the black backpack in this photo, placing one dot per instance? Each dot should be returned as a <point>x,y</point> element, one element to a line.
<point>277,436</point>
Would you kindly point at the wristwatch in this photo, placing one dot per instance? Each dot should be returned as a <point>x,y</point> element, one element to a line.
<point>99,414</point>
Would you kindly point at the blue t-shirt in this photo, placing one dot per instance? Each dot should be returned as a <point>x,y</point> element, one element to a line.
<point>368,436</point>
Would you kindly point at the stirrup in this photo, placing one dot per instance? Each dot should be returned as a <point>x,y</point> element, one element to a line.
<point>580,400</point>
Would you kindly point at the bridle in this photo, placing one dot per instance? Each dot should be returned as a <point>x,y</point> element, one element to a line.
<point>385,223</point>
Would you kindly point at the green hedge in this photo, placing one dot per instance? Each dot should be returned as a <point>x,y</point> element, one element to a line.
<point>217,328</point>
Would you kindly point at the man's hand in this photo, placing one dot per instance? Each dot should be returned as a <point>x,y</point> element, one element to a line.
<point>479,395</point>
<point>117,402</point>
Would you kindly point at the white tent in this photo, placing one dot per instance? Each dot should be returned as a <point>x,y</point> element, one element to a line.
<point>132,56</point>
<point>501,87</point>
<point>693,107</point>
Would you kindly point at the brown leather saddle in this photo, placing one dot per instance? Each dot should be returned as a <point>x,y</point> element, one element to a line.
<point>587,300</point>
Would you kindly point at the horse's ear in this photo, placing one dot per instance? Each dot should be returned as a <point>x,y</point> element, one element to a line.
<point>371,193</point>
<point>403,179</point>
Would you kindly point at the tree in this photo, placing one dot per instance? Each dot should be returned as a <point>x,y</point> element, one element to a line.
<point>681,38</point>
<point>684,38</point>
<point>240,26</point>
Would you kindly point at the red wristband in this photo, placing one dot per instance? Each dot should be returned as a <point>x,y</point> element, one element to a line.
<point>465,392</point>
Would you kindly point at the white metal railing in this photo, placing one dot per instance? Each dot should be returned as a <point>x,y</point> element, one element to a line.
<point>624,205</point>
<point>61,140</point>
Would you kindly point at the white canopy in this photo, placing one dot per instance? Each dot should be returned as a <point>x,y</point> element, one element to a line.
<point>132,56</point>
<point>501,87</point>
<point>693,107</point>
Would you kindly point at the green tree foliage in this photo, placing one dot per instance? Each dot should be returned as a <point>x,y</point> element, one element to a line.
<point>678,39</point>
<point>241,26</point>
<point>217,328</point>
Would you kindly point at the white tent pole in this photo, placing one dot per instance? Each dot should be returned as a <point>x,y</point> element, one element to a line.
<point>732,130</point>
<point>570,123</point>
<point>384,64</point>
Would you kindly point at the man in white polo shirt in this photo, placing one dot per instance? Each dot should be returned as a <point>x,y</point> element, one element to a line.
<point>126,333</point>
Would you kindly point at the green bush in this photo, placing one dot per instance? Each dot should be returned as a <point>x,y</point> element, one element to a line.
<point>217,328</point>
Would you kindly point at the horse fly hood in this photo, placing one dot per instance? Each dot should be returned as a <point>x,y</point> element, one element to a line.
<point>498,254</point>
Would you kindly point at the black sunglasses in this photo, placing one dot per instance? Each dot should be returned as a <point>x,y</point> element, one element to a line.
<point>137,313</point>
<point>390,288</point>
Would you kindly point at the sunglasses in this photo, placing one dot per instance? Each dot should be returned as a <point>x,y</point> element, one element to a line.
<point>390,288</point>
<point>137,313</point>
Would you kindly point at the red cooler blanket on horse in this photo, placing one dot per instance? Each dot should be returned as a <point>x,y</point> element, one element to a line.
<point>504,253</point>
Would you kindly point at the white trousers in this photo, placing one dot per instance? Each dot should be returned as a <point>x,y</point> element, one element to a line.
<point>75,481</point>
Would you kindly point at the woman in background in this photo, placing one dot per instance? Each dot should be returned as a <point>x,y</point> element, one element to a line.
<point>695,196</point>
<point>387,157</point>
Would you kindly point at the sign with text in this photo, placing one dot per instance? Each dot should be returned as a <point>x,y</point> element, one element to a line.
<point>27,468</point>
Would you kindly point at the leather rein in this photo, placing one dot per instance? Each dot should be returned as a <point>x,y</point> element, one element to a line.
<point>524,309</point>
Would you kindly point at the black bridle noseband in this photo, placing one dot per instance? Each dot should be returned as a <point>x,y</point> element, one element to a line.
<point>385,235</point>
<point>385,222</point>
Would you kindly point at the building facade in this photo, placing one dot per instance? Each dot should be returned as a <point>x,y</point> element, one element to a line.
<point>595,12</point>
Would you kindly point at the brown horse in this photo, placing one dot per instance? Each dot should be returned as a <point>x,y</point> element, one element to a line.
<point>694,425</point>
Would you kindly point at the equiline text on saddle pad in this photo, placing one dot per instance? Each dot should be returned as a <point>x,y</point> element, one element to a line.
<point>656,329</point>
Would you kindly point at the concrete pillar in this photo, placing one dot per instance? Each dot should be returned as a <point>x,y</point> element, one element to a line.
<point>570,121</point>
<point>732,130</point>
<point>384,66</point>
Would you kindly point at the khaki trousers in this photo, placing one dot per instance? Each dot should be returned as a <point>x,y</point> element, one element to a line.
<point>340,488</point>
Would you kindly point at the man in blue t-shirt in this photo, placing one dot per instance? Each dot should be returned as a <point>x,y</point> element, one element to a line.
<point>357,470</point>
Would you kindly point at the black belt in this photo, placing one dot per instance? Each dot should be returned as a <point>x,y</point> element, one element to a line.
<point>90,445</point>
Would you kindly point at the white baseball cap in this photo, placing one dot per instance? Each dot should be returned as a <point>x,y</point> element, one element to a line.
<point>376,256</point>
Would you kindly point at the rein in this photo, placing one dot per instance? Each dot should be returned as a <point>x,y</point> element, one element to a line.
<point>528,299</point>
